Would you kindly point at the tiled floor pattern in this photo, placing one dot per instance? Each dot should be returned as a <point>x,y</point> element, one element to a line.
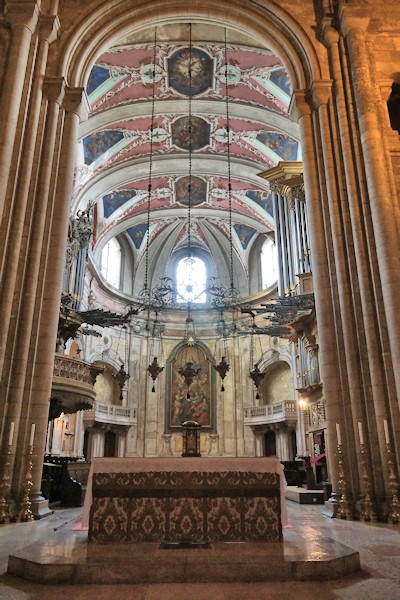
<point>379,579</point>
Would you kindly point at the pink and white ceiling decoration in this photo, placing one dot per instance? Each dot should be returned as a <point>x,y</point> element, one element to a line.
<point>114,151</point>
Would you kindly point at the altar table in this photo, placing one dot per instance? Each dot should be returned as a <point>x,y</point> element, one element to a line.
<point>185,500</point>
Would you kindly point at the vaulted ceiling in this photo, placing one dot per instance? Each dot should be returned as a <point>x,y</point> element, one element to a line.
<point>127,94</point>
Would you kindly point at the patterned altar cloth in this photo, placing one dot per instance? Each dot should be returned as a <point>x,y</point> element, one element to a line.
<point>185,500</point>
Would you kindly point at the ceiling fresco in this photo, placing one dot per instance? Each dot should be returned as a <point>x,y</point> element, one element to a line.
<point>233,99</point>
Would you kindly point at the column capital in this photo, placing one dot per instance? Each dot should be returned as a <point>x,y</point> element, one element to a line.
<point>23,13</point>
<point>76,101</point>
<point>54,89</point>
<point>330,35</point>
<point>49,26</point>
<point>321,92</point>
<point>352,18</point>
<point>299,105</point>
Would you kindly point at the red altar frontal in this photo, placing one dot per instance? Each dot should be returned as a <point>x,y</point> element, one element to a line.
<point>185,500</point>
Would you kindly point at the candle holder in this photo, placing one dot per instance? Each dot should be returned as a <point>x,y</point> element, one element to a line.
<point>4,488</point>
<point>344,511</point>
<point>368,513</point>
<point>25,513</point>
<point>394,506</point>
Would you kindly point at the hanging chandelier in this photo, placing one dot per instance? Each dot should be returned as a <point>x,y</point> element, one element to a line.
<point>121,377</point>
<point>255,374</point>
<point>189,370</point>
<point>154,369</point>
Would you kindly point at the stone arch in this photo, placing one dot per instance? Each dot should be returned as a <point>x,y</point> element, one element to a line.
<point>277,383</point>
<point>106,385</point>
<point>270,25</point>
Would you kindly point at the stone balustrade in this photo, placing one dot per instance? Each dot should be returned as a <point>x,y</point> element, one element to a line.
<point>271,413</point>
<point>73,385</point>
<point>110,413</point>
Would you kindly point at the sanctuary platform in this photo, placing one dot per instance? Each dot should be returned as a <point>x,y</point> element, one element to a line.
<point>66,557</point>
<point>185,500</point>
<point>182,521</point>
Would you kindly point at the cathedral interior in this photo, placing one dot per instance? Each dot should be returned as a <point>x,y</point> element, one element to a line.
<point>199,218</point>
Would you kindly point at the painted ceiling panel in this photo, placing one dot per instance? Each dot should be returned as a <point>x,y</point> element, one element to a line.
<point>245,234</point>
<point>131,139</point>
<point>209,71</point>
<point>137,234</point>
<point>98,76</point>
<point>193,131</point>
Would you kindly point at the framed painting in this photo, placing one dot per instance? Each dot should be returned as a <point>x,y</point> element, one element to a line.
<point>200,406</point>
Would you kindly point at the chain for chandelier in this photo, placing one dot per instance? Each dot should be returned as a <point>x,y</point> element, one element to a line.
<point>190,143</point>
<point>228,153</point>
<point>222,298</point>
<point>149,186</point>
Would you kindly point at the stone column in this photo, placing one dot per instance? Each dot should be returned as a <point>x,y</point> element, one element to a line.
<point>12,231</point>
<point>23,17</point>
<point>75,109</point>
<point>350,317</point>
<point>282,443</point>
<point>369,303</point>
<point>21,348</point>
<point>353,24</point>
<point>329,361</point>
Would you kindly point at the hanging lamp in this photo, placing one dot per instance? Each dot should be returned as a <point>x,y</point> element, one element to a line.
<point>154,369</point>
<point>255,374</point>
<point>121,376</point>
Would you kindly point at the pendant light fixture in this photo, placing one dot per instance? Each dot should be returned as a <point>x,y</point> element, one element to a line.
<point>255,374</point>
<point>121,376</point>
<point>154,369</point>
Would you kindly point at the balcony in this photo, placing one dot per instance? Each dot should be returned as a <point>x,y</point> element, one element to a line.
<point>111,414</point>
<point>271,413</point>
<point>72,388</point>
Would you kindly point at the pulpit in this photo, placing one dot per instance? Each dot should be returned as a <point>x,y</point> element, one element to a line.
<point>185,500</point>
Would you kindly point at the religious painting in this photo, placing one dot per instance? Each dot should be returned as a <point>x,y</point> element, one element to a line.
<point>245,234</point>
<point>198,407</point>
<point>179,65</point>
<point>98,143</point>
<point>280,78</point>
<point>263,198</point>
<point>198,191</point>
<point>98,75</point>
<point>282,145</point>
<point>116,199</point>
<point>137,234</point>
<point>199,137</point>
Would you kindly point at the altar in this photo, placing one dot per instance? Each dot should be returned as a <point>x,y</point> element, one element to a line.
<point>185,500</point>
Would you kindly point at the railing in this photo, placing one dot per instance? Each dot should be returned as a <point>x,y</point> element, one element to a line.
<point>111,413</point>
<point>66,367</point>
<point>72,386</point>
<point>271,413</point>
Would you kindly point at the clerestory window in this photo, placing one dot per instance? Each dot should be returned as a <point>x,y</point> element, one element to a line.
<point>269,264</point>
<point>110,263</point>
<point>191,278</point>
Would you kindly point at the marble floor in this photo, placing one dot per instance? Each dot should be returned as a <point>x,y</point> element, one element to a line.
<point>378,579</point>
